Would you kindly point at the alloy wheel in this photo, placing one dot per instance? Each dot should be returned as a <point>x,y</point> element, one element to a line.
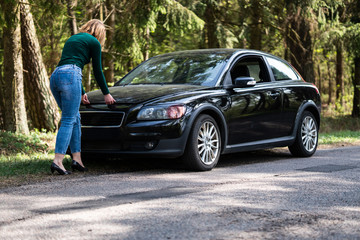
<point>309,133</point>
<point>208,143</point>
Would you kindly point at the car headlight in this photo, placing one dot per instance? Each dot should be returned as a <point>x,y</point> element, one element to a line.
<point>161,112</point>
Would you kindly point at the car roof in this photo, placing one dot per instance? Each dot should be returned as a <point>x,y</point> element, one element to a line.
<point>226,51</point>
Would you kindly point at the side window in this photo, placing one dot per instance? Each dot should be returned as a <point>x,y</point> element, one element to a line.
<point>250,67</point>
<point>281,70</point>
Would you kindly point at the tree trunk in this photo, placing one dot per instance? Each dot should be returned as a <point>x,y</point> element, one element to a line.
<point>109,60</point>
<point>2,100</point>
<point>15,113</point>
<point>41,105</point>
<point>300,46</point>
<point>147,44</point>
<point>210,27</point>
<point>87,78</point>
<point>330,89</point>
<point>319,79</point>
<point>255,28</point>
<point>356,84</point>
<point>71,4</point>
<point>339,73</point>
<point>2,84</point>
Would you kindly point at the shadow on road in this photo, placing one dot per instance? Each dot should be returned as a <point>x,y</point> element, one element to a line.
<point>112,164</point>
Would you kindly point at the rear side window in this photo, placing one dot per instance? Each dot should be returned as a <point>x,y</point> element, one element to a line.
<point>281,70</point>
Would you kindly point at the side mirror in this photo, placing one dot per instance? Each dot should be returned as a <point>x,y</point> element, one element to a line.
<point>245,82</point>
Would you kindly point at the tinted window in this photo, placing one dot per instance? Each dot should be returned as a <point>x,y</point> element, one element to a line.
<point>281,70</point>
<point>186,68</point>
<point>250,67</point>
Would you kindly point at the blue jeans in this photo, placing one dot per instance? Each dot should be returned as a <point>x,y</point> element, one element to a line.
<point>65,85</point>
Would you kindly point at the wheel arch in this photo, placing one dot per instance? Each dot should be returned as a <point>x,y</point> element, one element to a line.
<point>315,112</point>
<point>215,113</point>
<point>307,106</point>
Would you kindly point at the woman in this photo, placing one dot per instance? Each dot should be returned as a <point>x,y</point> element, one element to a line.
<point>66,86</point>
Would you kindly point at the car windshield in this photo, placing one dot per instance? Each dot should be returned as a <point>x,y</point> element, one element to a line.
<point>187,68</point>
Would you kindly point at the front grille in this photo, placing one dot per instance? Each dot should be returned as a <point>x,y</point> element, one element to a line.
<point>102,119</point>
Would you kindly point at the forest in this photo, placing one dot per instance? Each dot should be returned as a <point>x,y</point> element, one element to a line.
<point>320,38</point>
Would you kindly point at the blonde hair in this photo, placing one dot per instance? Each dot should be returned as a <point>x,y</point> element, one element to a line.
<point>96,28</point>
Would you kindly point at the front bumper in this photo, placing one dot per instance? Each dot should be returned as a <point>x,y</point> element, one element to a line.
<point>166,138</point>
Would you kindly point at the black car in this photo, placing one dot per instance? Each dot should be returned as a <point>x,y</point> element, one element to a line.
<point>199,104</point>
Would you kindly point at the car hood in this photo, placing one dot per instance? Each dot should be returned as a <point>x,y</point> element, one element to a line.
<point>134,94</point>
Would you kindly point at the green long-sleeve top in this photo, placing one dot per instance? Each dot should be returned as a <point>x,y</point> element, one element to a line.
<point>78,50</point>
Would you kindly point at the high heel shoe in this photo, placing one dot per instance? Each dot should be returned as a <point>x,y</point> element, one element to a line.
<point>55,167</point>
<point>76,166</point>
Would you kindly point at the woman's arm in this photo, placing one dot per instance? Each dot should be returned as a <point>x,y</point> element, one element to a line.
<point>97,67</point>
<point>99,75</point>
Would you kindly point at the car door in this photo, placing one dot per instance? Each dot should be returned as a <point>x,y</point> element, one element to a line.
<point>285,77</point>
<point>255,112</point>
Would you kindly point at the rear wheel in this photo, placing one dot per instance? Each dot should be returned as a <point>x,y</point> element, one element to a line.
<point>306,136</point>
<point>204,144</point>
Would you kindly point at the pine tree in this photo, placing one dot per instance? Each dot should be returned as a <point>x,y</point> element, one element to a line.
<point>40,103</point>
<point>15,118</point>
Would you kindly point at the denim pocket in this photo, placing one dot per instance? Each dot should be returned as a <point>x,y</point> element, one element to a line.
<point>65,77</point>
<point>79,76</point>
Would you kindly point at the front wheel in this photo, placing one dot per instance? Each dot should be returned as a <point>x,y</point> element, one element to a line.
<point>204,144</point>
<point>306,136</point>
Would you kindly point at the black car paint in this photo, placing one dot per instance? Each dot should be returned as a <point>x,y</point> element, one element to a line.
<point>135,94</point>
<point>248,118</point>
<point>200,99</point>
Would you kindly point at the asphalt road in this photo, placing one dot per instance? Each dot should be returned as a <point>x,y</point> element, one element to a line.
<point>258,195</point>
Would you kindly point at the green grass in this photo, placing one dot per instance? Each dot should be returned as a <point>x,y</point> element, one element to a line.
<point>342,137</point>
<point>25,154</point>
<point>339,130</point>
<point>22,164</point>
<point>14,143</point>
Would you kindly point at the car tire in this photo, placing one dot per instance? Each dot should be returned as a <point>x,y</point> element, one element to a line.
<point>306,136</point>
<point>204,145</point>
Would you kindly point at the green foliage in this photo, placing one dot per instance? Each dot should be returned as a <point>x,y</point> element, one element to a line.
<point>180,18</point>
<point>159,26</point>
<point>353,37</point>
<point>50,18</point>
<point>180,25</point>
<point>165,19</point>
<point>16,143</point>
